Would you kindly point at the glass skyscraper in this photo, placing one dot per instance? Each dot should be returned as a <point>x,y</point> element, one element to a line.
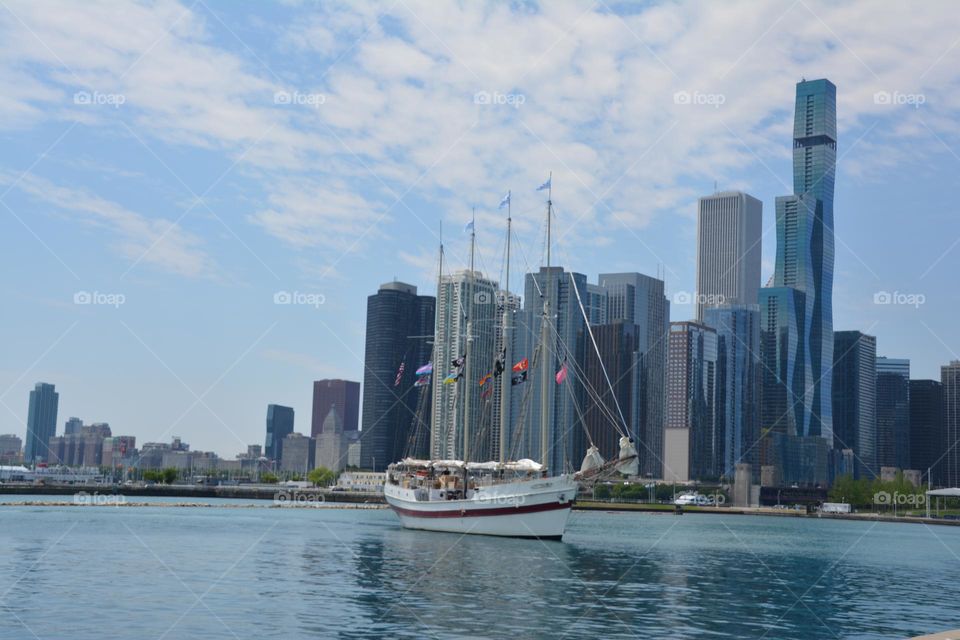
<point>798,308</point>
<point>893,412</point>
<point>41,422</point>
<point>855,400</point>
<point>279,426</point>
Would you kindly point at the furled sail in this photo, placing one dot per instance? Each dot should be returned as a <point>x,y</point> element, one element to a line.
<point>628,454</point>
<point>593,460</point>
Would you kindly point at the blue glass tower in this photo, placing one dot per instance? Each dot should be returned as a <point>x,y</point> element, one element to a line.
<point>805,244</point>
<point>797,327</point>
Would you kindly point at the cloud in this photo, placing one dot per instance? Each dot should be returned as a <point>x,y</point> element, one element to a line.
<point>456,102</point>
<point>155,241</point>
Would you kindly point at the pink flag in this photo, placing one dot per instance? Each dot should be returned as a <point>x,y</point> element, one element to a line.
<point>562,374</point>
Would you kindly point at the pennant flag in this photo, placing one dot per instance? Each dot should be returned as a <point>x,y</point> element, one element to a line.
<point>505,201</point>
<point>396,382</point>
<point>545,185</point>
<point>485,379</point>
<point>425,370</point>
<point>468,226</point>
<point>519,379</point>
<point>450,379</point>
<point>562,374</point>
<point>422,381</point>
<point>521,366</point>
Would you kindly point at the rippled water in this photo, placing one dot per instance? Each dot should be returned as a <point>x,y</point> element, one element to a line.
<point>96,572</point>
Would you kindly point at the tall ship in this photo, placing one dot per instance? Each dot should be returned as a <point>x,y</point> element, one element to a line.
<point>519,498</point>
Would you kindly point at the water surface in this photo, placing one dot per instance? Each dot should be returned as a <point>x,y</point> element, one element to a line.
<point>169,572</point>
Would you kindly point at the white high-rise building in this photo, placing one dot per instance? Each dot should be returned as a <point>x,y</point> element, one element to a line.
<point>461,294</point>
<point>729,229</point>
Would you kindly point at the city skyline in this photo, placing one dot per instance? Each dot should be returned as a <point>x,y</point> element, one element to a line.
<point>161,313</point>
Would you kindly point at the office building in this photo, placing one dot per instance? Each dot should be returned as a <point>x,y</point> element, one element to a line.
<point>638,299</point>
<point>737,397</point>
<point>950,380</point>
<point>10,449</point>
<point>41,422</point>
<point>729,229</point>
<point>342,394</point>
<point>927,436</point>
<point>465,309</point>
<point>332,443</point>
<point>691,380</point>
<point>399,333</point>
<point>298,454</point>
<point>855,400</point>
<point>72,426</point>
<point>279,426</point>
<point>893,412</point>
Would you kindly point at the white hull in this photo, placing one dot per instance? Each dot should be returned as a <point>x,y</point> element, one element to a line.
<point>536,508</point>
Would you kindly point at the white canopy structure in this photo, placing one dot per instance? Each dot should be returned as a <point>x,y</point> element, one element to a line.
<point>941,493</point>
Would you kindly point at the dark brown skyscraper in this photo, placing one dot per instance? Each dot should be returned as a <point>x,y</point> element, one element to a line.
<point>342,394</point>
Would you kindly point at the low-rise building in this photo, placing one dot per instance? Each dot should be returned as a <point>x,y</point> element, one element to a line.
<point>362,480</point>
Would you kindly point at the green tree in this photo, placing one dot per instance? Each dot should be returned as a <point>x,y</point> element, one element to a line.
<point>169,475</point>
<point>322,477</point>
<point>269,478</point>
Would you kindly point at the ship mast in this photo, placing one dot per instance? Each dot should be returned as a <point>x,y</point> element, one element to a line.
<point>468,360</point>
<point>506,375</point>
<point>435,431</point>
<point>544,350</point>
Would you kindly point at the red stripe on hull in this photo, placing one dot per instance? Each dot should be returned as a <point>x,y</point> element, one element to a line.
<point>472,513</point>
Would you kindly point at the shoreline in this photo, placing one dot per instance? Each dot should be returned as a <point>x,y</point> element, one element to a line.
<point>278,497</point>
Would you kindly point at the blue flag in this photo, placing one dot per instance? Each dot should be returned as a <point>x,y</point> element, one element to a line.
<point>545,185</point>
<point>505,201</point>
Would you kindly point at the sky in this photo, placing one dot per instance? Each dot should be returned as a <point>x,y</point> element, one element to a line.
<point>196,198</point>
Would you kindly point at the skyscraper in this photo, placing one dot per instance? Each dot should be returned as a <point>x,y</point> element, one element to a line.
<point>619,362</point>
<point>342,394</point>
<point>279,426</point>
<point>639,299</point>
<point>737,398</point>
<point>729,228</point>
<point>41,422</point>
<point>893,412</point>
<point>799,315</point>
<point>566,341</point>
<point>465,299</point>
<point>691,380</point>
<point>855,399</point>
<point>927,439</point>
<point>72,425</point>
<point>950,379</point>
<point>400,327</point>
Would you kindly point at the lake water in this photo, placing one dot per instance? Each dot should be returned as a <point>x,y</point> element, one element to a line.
<point>168,572</point>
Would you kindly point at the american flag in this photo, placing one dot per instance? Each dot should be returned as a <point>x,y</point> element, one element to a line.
<point>396,382</point>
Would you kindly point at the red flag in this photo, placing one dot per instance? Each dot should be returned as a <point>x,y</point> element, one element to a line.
<point>562,374</point>
<point>521,366</point>
<point>396,382</point>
